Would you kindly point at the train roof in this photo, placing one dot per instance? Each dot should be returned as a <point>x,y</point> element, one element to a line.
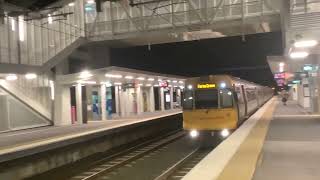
<point>228,79</point>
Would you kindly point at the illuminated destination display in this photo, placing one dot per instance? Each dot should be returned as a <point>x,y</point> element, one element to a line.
<point>206,86</point>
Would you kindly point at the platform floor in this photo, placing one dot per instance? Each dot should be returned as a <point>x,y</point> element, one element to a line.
<point>292,146</point>
<point>25,139</point>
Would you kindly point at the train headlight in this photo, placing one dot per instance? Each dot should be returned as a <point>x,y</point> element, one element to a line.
<point>194,133</point>
<point>225,133</point>
<point>223,85</point>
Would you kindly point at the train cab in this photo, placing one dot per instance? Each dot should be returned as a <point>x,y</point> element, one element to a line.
<point>218,104</point>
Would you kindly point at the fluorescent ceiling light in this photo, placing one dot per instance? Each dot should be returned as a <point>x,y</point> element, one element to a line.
<point>150,79</point>
<point>87,82</point>
<point>30,76</point>
<point>148,85</point>
<point>11,77</point>
<point>308,43</point>
<point>141,78</point>
<point>174,81</point>
<point>128,77</point>
<point>90,1</point>
<point>181,82</point>
<point>71,4</point>
<point>113,75</point>
<point>117,83</point>
<point>85,74</point>
<point>298,55</point>
<point>281,64</point>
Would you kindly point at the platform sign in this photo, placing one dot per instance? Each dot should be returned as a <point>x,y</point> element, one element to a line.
<point>206,86</point>
<point>163,84</point>
<point>279,75</point>
<point>280,82</point>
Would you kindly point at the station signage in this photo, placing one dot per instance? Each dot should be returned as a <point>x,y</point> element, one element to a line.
<point>280,82</point>
<point>128,85</point>
<point>279,75</point>
<point>206,86</point>
<point>163,84</point>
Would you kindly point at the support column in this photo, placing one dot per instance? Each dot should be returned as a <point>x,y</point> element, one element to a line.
<point>62,105</point>
<point>103,91</point>
<point>151,99</point>
<point>162,98</point>
<point>139,100</point>
<point>79,103</point>
<point>117,99</point>
<point>171,97</point>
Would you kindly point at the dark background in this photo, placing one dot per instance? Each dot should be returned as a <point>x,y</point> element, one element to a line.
<point>230,55</point>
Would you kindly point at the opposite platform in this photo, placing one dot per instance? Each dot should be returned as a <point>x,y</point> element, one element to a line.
<point>27,142</point>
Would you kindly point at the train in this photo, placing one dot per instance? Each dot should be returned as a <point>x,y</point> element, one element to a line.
<point>218,104</point>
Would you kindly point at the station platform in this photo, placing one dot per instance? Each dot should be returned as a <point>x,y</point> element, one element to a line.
<point>22,143</point>
<point>277,142</point>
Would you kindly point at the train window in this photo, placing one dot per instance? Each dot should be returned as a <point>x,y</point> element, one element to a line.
<point>188,100</point>
<point>206,98</point>
<point>226,98</point>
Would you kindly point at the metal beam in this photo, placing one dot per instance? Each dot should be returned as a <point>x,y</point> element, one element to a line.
<point>194,9</point>
<point>128,15</point>
<point>216,11</point>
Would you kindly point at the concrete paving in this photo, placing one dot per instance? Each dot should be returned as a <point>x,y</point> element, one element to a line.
<point>292,146</point>
<point>24,139</point>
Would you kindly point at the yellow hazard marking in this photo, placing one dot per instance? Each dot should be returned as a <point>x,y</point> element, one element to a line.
<point>244,162</point>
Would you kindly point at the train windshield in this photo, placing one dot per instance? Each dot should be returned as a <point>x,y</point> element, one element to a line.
<point>188,100</point>
<point>206,98</point>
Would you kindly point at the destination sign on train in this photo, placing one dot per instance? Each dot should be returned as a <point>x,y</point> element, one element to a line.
<point>206,86</point>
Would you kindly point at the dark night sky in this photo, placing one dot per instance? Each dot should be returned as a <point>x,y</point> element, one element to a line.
<point>228,55</point>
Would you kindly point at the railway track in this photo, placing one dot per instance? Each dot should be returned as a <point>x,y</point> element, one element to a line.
<point>181,168</point>
<point>111,163</point>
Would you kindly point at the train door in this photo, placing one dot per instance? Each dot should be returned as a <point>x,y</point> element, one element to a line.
<point>241,103</point>
<point>244,100</point>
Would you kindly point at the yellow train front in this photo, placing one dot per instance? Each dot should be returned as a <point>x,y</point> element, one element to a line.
<point>217,105</point>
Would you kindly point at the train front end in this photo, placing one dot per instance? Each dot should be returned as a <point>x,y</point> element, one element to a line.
<point>209,108</point>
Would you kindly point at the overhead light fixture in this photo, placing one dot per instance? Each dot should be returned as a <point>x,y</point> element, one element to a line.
<point>71,4</point>
<point>13,24</point>
<point>148,85</point>
<point>141,78</point>
<point>90,1</point>
<point>181,82</point>
<point>128,77</point>
<point>21,28</point>
<point>281,64</point>
<point>113,75</point>
<point>117,83</point>
<point>150,79</point>
<point>140,84</point>
<point>169,80</point>
<point>307,43</point>
<point>190,87</point>
<point>159,80</point>
<point>174,81</point>
<point>11,77</point>
<point>107,84</point>
<point>87,82</point>
<point>30,76</point>
<point>156,85</point>
<point>51,83</point>
<point>50,20</point>
<point>85,74</point>
<point>299,54</point>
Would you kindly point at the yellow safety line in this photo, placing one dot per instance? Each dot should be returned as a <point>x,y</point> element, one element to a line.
<point>243,164</point>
